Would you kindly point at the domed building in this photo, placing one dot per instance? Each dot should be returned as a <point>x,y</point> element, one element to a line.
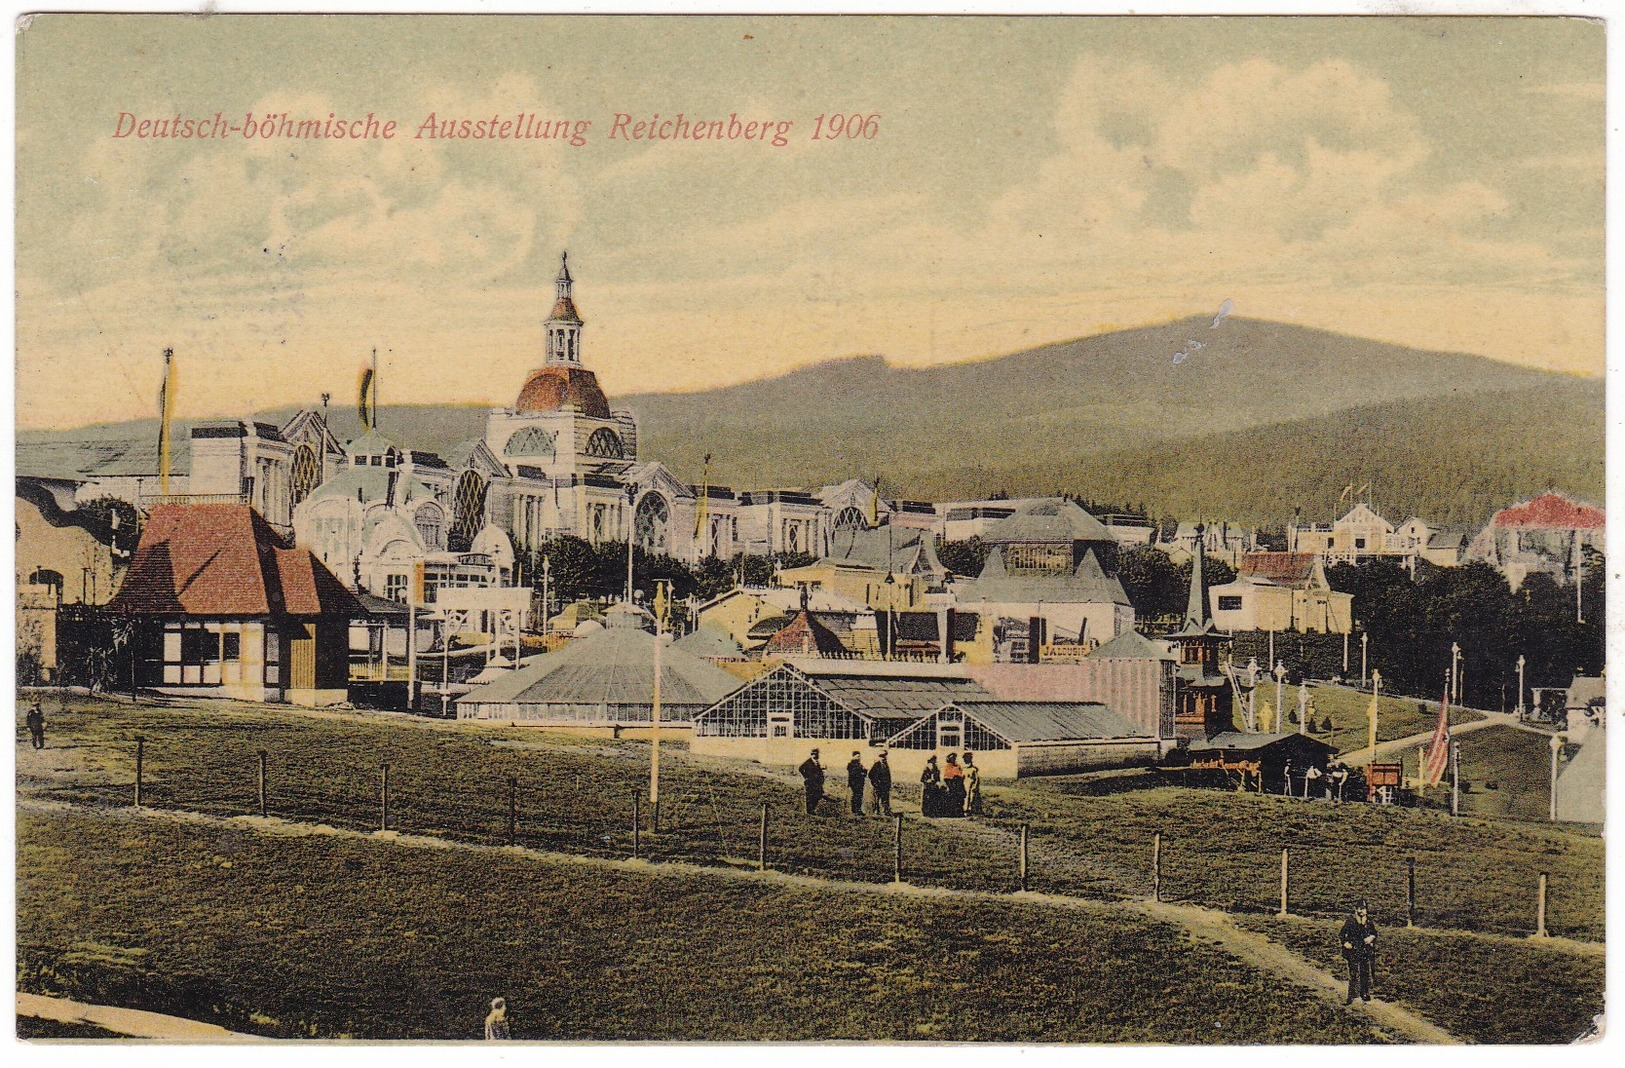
<point>573,461</point>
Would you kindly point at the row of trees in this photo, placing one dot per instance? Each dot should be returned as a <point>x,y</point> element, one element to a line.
<point>1410,627</point>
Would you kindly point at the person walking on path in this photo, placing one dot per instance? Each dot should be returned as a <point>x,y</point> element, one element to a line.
<point>496,1022</point>
<point>880,785</point>
<point>36,725</point>
<point>812,777</point>
<point>855,776</point>
<point>930,788</point>
<point>953,783</point>
<point>1359,939</point>
<point>973,786</point>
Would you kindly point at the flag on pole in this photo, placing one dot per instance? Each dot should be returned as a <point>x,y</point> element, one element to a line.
<point>1371,719</point>
<point>1363,491</point>
<point>702,510</point>
<point>1348,489</point>
<point>1439,747</point>
<point>166,410</point>
<point>366,398</point>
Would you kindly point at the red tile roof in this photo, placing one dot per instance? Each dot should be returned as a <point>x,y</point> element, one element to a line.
<point>1551,511</point>
<point>1285,569</point>
<point>225,560</point>
<point>804,635</point>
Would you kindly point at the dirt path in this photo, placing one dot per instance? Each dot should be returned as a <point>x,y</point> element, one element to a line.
<point>1392,1021</point>
<point>1411,741</point>
<point>133,1023</point>
<point>1201,924</point>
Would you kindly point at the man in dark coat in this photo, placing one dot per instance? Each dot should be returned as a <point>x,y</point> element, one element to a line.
<point>855,776</point>
<point>36,725</point>
<point>812,776</point>
<point>880,784</point>
<point>1359,939</point>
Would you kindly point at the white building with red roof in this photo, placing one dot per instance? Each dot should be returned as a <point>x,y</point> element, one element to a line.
<point>1547,534</point>
<point>1281,591</point>
<point>223,606</point>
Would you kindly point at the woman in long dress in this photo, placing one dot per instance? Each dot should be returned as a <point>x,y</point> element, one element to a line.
<point>953,781</point>
<point>930,788</point>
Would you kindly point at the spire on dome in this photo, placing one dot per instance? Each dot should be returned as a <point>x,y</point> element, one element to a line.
<point>564,324</point>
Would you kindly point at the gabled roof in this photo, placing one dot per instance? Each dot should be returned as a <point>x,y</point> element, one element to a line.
<point>887,548</point>
<point>710,643</point>
<point>1132,645</point>
<point>224,560</point>
<point>804,635</point>
<point>1278,568</point>
<point>890,690</point>
<point>823,601</point>
<point>1050,721</point>
<point>614,666</point>
<point>1047,520</point>
<point>1237,741</point>
<point>1551,511</point>
<point>1087,583</point>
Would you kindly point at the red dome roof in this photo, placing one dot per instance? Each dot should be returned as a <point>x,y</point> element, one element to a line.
<point>550,388</point>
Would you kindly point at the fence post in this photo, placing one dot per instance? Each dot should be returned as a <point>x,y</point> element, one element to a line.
<point>637,819</point>
<point>1021,871</point>
<point>513,810</point>
<point>140,762</point>
<point>1540,907</point>
<point>897,849</point>
<point>654,817</point>
<point>261,791</point>
<point>383,799</point>
<point>1410,891</point>
<point>1156,866</point>
<point>1283,883</point>
<point>761,842</point>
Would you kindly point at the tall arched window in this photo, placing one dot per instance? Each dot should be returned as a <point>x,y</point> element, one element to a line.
<point>651,522</point>
<point>467,511</point>
<point>605,444</point>
<point>307,473</point>
<point>431,524</point>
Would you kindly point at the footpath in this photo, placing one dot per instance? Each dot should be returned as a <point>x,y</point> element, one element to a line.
<point>1391,1021</point>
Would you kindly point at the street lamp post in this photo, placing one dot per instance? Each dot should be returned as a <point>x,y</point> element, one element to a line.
<point>1455,672</point>
<point>1252,693</point>
<point>891,616</point>
<point>631,503</point>
<point>547,594</point>
<point>1364,637</point>
<point>1557,747</point>
<point>1520,685</point>
<point>1280,694</point>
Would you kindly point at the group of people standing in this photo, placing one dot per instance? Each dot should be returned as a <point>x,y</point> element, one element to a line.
<point>876,778</point>
<point>952,790</point>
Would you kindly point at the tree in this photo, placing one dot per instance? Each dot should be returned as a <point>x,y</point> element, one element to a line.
<point>963,559</point>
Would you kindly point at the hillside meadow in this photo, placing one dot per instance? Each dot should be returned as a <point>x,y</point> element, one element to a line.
<point>574,794</point>
<point>328,937</point>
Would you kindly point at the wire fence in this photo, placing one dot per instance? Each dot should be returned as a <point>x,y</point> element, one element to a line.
<point>574,801</point>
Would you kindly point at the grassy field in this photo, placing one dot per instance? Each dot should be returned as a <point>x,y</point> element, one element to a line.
<point>1396,717</point>
<point>321,936</point>
<point>1224,849</point>
<point>1504,772</point>
<point>1480,989</point>
<point>1219,848</point>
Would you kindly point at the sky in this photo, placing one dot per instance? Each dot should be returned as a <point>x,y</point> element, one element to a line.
<point>1436,182</point>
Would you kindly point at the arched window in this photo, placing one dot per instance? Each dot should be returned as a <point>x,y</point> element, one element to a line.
<point>431,524</point>
<point>651,522</point>
<point>531,441</point>
<point>467,511</point>
<point>307,473</point>
<point>850,518</point>
<point>605,444</point>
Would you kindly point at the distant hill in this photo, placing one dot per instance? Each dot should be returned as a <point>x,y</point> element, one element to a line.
<point>1261,417</point>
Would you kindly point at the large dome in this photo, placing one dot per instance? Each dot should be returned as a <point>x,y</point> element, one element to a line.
<point>550,388</point>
